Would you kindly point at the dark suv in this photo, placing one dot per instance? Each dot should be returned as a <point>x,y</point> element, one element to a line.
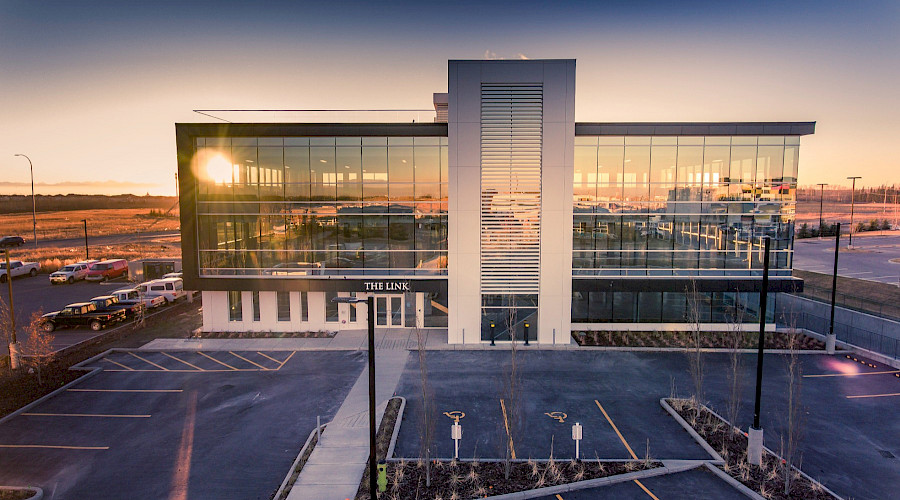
<point>11,241</point>
<point>81,314</point>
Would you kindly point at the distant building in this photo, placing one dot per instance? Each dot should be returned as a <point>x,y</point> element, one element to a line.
<point>503,210</point>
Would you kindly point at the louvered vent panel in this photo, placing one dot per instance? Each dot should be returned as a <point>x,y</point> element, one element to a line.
<point>511,131</point>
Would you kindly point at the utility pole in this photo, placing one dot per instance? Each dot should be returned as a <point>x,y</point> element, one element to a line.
<point>821,197</point>
<point>86,255</point>
<point>852,192</point>
<point>33,205</point>
<point>830,338</point>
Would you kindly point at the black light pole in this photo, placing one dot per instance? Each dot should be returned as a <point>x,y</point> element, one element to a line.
<point>86,256</point>
<point>33,205</point>
<point>852,192</point>
<point>755,442</point>
<point>821,197</point>
<point>830,339</point>
<point>370,317</point>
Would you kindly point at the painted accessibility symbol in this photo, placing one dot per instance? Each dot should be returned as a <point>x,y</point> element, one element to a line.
<point>557,415</point>
<point>455,415</point>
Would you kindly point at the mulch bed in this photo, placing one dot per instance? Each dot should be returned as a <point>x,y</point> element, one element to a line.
<point>16,494</point>
<point>267,335</point>
<point>768,478</point>
<point>708,340</point>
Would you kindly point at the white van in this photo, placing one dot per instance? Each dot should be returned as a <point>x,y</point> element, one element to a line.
<point>170,288</point>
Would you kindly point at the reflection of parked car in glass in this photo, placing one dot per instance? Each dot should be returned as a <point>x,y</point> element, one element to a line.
<point>107,270</point>
<point>294,269</point>
<point>80,314</point>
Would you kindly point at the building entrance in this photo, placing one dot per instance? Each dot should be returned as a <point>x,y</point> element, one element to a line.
<point>389,310</point>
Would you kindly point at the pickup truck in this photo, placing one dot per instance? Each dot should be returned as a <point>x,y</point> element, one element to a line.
<point>72,272</point>
<point>132,296</point>
<point>111,303</point>
<point>18,268</point>
<point>81,314</point>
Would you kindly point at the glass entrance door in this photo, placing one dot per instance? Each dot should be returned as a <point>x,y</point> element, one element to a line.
<point>389,310</point>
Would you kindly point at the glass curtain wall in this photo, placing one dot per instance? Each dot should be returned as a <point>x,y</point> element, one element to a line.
<point>683,206</point>
<point>307,206</point>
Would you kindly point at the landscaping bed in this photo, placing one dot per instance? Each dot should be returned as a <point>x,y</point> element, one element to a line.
<point>461,479</point>
<point>268,335</point>
<point>731,443</point>
<point>15,494</point>
<point>683,339</point>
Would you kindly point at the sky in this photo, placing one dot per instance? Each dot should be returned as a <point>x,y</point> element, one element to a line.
<point>91,90</point>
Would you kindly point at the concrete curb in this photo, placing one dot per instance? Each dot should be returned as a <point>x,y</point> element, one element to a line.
<point>38,493</point>
<point>705,349</point>
<point>717,459</point>
<point>594,483</point>
<point>770,452</point>
<point>734,482</point>
<point>283,489</point>
<point>390,450</point>
<point>47,396</point>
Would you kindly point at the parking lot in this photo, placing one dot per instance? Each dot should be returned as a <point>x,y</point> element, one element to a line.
<point>196,424</point>
<point>870,258</point>
<point>32,294</point>
<point>849,429</point>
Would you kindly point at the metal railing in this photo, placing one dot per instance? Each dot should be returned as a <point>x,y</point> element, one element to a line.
<point>851,334</point>
<point>855,302</point>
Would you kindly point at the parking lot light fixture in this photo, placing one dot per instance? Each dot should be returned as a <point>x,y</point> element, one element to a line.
<point>831,338</point>
<point>370,319</point>
<point>755,436</point>
<point>821,197</point>
<point>86,256</point>
<point>33,205</point>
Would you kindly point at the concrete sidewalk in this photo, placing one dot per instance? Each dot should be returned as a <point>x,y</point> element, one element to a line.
<point>337,463</point>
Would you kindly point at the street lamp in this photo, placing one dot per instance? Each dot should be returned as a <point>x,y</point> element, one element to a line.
<point>33,210</point>
<point>852,192</point>
<point>370,319</point>
<point>755,436</point>
<point>86,255</point>
<point>821,197</point>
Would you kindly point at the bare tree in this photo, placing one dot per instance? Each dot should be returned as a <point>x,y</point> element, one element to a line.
<point>426,433</point>
<point>6,327</point>
<point>735,339</point>
<point>511,403</point>
<point>794,409</point>
<point>695,354</point>
<point>38,344</point>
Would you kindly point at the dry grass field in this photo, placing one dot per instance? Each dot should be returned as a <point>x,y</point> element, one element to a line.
<point>808,212</point>
<point>67,224</point>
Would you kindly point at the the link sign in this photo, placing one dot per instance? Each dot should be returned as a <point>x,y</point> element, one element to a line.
<point>386,286</point>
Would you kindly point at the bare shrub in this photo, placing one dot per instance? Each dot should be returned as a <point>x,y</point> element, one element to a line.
<point>695,355</point>
<point>38,344</point>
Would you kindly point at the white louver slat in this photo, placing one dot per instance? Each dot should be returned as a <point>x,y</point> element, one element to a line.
<point>511,138</point>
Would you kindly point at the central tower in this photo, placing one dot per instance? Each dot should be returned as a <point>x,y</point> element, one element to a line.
<point>511,129</point>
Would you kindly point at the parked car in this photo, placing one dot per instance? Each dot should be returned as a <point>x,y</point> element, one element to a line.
<point>170,288</point>
<point>132,296</point>
<point>11,241</point>
<point>18,268</point>
<point>107,270</point>
<point>81,314</point>
<point>172,275</point>
<point>70,273</point>
<point>111,303</point>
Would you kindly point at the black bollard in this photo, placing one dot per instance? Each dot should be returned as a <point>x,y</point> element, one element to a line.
<point>492,333</point>
<point>526,333</point>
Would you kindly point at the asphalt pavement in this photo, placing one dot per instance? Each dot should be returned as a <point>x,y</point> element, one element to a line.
<point>688,485</point>
<point>848,430</point>
<point>177,425</point>
<point>35,294</point>
<point>868,260</point>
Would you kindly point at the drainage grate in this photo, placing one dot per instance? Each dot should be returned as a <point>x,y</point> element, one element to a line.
<point>886,454</point>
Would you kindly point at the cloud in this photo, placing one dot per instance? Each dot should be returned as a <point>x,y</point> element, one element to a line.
<point>85,187</point>
<point>521,56</point>
<point>489,54</point>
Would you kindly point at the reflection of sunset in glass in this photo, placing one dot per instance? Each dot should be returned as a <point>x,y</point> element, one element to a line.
<point>219,169</point>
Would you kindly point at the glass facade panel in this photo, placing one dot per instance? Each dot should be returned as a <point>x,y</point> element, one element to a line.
<point>322,206</point>
<point>283,300</point>
<point>685,206</point>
